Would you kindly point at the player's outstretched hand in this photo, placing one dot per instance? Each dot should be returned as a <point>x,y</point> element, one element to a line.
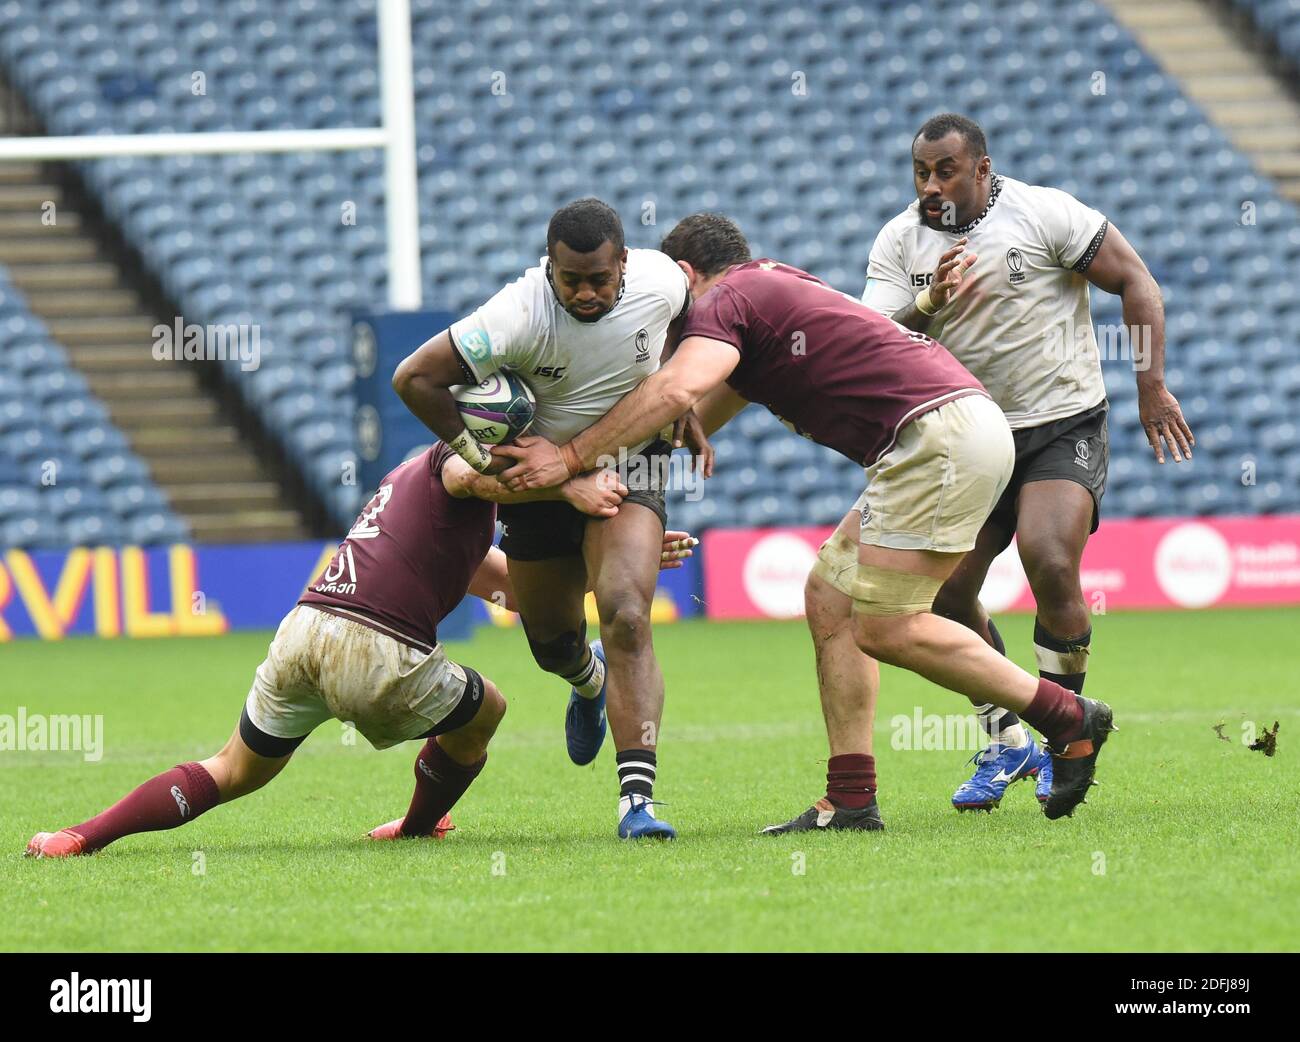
<point>677,547</point>
<point>537,464</point>
<point>597,492</point>
<point>1162,419</point>
<point>689,431</point>
<point>948,275</point>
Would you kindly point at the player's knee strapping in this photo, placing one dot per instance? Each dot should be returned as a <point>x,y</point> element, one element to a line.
<point>837,563</point>
<point>879,591</point>
<point>564,654</point>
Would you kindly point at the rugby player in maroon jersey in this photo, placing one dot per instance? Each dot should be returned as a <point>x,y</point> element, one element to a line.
<point>937,451</point>
<point>361,646</point>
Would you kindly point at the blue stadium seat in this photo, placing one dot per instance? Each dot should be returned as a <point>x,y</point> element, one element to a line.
<point>699,114</point>
<point>93,530</point>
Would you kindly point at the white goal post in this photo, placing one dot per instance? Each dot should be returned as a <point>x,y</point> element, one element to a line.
<point>396,137</point>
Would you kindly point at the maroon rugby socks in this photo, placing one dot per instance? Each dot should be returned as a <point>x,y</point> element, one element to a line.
<point>851,780</point>
<point>439,782</point>
<point>164,802</point>
<point>1056,712</point>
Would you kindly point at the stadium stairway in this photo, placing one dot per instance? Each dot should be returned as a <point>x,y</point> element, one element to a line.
<point>701,116</point>
<point>1229,79</point>
<point>71,280</point>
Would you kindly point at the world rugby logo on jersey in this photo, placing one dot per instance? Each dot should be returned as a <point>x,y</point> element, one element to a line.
<point>642,346</point>
<point>1015,262</point>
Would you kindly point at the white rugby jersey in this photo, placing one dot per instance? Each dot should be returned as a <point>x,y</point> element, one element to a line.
<point>1020,320</point>
<point>577,370</point>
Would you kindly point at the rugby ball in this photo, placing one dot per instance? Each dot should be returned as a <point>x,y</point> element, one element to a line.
<point>499,409</point>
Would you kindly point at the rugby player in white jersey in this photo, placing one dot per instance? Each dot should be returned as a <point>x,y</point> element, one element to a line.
<point>998,271</point>
<point>582,328</point>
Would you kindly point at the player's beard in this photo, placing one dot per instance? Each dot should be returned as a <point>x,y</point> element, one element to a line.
<point>588,317</point>
<point>935,223</point>
<point>596,316</point>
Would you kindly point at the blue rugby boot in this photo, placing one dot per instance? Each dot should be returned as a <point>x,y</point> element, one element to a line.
<point>584,720</point>
<point>1043,779</point>
<point>640,823</point>
<point>995,768</point>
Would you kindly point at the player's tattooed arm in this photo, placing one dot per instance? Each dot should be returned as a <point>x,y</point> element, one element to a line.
<point>1117,268</point>
<point>598,492</point>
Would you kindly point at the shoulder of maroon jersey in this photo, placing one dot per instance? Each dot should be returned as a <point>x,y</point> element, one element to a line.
<point>414,462</point>
<point>770,264</point>
<point>436,456</point>
<point>735,283</point>
<point>766,264</point>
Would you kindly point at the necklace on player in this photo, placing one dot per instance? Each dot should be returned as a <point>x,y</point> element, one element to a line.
<point>995,186</point>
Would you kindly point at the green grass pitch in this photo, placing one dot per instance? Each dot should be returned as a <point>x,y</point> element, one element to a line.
<point>1190,843</point>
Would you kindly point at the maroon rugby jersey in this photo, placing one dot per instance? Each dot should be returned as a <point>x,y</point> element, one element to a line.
<point>826,364</point>
<point>410,556</point>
